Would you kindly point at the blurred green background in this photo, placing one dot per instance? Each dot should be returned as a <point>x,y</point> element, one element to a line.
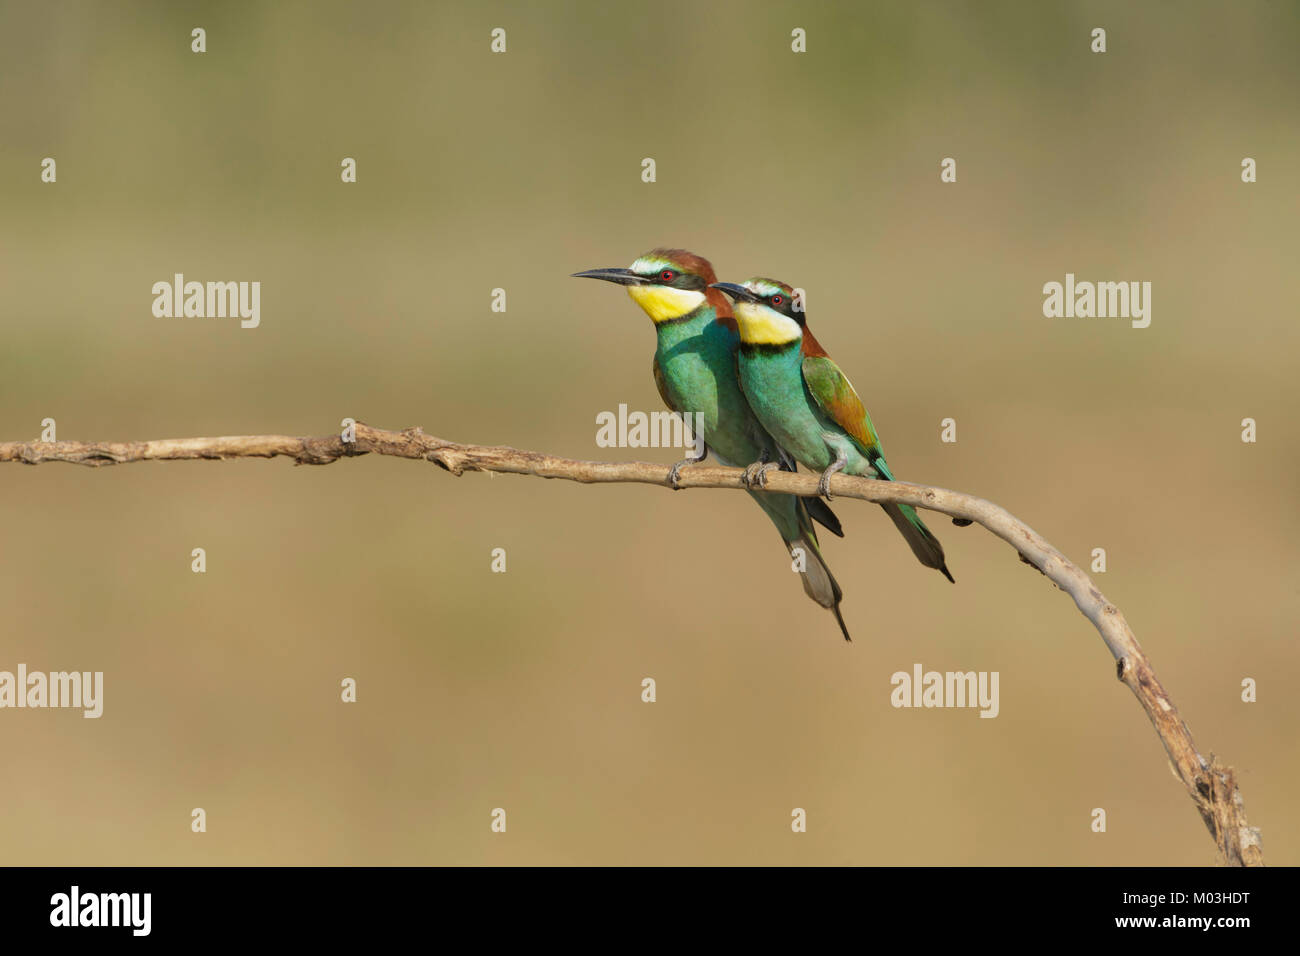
<point>522,690</point>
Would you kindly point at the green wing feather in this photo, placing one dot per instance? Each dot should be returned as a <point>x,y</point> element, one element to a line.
<point>835,396</point>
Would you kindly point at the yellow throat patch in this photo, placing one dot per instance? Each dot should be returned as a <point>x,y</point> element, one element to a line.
<point>759,325</point>
<point>663,303</point>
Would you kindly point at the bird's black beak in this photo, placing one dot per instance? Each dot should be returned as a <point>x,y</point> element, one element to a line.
<point>737,292</point>
<point>619,276</point>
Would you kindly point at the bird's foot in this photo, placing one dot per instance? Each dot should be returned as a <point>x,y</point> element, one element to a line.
<point>675,473</point>
<point>756,474</point>
<point>824,483</point>
<point>962,522</point>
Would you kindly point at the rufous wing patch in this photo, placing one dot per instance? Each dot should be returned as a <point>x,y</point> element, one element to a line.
<point>832,391</point>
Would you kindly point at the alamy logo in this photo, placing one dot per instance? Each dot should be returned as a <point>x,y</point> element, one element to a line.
<point>103,909</point>
<point>210,300</point>
<point>1086,300</point>
<point>946,689</point>
<point>84,689</point>
<point>653,430</point>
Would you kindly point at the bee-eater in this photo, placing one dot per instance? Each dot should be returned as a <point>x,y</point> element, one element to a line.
<point>695,370</point>
<point>808,405</point>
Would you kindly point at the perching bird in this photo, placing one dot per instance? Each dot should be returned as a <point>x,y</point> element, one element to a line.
<point>807,404</point>
<point>695,370</point>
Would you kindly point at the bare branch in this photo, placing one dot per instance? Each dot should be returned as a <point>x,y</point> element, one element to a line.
<point>1211,785</point>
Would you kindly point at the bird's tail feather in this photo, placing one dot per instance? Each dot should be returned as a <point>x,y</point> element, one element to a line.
<point>818,582</point>
<point>794,521</point>
<point>821,512</point>
<point>924,544</point>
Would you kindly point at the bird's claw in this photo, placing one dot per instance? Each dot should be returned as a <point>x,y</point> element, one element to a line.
<point>756,474</point>
<point>675,472</point>
<point>824,483</point>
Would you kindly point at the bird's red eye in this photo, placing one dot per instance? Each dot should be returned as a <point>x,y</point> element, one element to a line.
<point>667,275</point>
<point>778,299</point>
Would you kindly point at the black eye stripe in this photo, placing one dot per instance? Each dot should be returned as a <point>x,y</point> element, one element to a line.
<point>679,280</point>
<point>785,306</point>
